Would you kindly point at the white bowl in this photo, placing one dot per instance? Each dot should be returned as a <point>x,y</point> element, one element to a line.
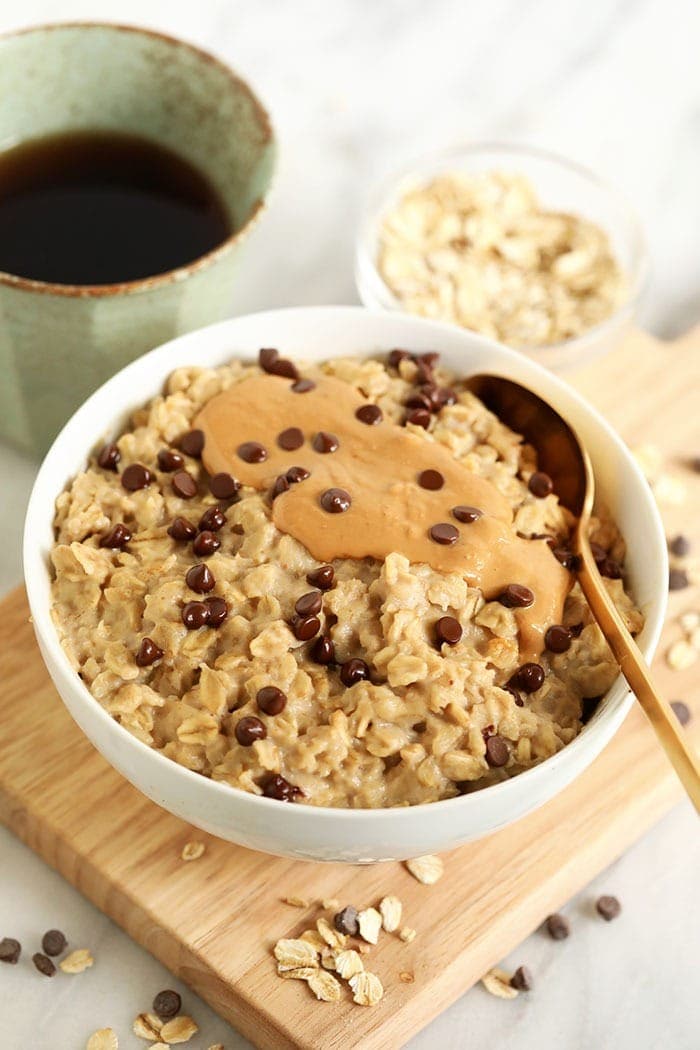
<point>358,835</point>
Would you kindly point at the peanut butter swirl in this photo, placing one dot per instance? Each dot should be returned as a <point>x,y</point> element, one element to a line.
<point>378,466</point>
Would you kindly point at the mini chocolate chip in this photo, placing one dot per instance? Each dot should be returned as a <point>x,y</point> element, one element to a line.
<point>347,920</point>
<point>285,368</point>
<point>271,700</point>
<point>223,485</point>
<point>200,579</point>
<point>681,711</point>
<point>444,533</point>
<point>167,1004</point>
<point>352,671</point>
<point>195,615</point>
<point>147,654</point>
<point>516,596</point>
<point>323,650</point>
<point>252,452</point>
<point>497,752</point>
<point>540,484</point>
<point>182,529</point>
<point>396,357</point>
<point>558,927</point>
<point>521,979</point>
<point>53,942</point>
<point>608,908</point>
<point>108,457</point>
<point>467,514</point>
<point>168,461</point>
<point>335,501</point>
<point>302,386</point>
<point>369,414</point>
<point>677,579</point>
<point>323,577</point>
<point>116,538</point>
<point>275,786</point>
<point>517,698</point>
<point>43,964</point>
<point>309,604</point>
<point>218,611</point>
<point>419,727</point>
<point>290,439</point>
<point>325,442</point>
<point>267,357</point>
<point>610,568</point>
<point>206,543</point>
<point>184,485</point>
<point>528,678</point>
<point>296,474</point>
<point>212,520</point>
<point>448,630</point>
<point>419,399</point>
<point>431,479</point>
<point>135,477</point>
<point>567,558</point>
<point>192,443</point>
<point>680,546</point>
<point>10,950</point>
<point>443,396</point>
<point>280,485</point>
<point>419,417</point>
<point>250,729</point>
<point>305,627</point>
<point>557,638</point>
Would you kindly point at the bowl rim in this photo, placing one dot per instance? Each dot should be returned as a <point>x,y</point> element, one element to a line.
<point>58,662</point>
<point>381,193</point>
<point>200,262</point>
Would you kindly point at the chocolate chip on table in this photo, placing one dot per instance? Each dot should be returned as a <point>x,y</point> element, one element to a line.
<point>540,484</point>
<point>353,671</point>
<point>680,546</point>
<point>252,452</point>
<point>108,457</point>
<point>212,520</point>
<point>54,942</point>
<point>200,579</point>
<point>43,964</point>
<point>323,651</point>
<point>608,908</point>
<point>205,543</point>
<point>346,921</point>
<point>302,386</point>
<point>305,627</point>
<point>116,538</point>
<point>444,533</point>
<point>195,615</point>
<point>396,357</point>
<point>275,786</point>
<point>135,477</point>
<point>419,417</point>
<point>516,596</point>
<point>296,474</point>
<point>677,579</point>
<point>370,415</point>
<point>557,638</point>
<point>681,711</point>
<point>324,442</point>
<point>250,729</point>
<point>10,950</point>
<point>168,461</point>
<point>335,501</point>
<point>192,443</point>
<point>182,530</point>
<point>167,1004</point>
<point>184,485</point>
<point>467,514</point>
<point>528,678</point>
<point>431,479</point>
<point>280,485</point>
<point>497,752</point>
<point>223,485</point>
<point>557,927</point>
<point>309,604</point>
<point>521,979</point>
<point>218,611</point>
<point>448,630</point>
<point>323,577</point>
<point>290,439</point>
<point>148,653</point>
<point>271,700</point>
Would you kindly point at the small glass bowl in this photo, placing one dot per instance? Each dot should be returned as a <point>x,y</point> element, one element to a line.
<point>561,185</point>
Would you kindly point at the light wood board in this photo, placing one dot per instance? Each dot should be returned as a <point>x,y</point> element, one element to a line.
<point>213,921</point>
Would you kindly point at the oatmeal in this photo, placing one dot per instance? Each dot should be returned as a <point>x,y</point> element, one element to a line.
<point>352,588</point>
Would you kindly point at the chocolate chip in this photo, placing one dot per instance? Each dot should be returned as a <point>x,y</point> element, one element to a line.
<point>419,727</point>
<point>567,558</point>
<point>369,414</point>
<point>467,514</point>
<point>135,477</point>
<point>448,630</point>
<point>695,464</point>
<point>323,651</point>
<point>192,443</point>
<point>267,358</point>
<point>184,485</point>
<point>517,698</point>
<point>444,533</point>
<point>396,357</point>
<point>305,627</point>
<point>43,964</point>
<point>206,543</point>
<point>429,359</point>
<point>10,950</point>
<point>677,579</point>
<point>443,396</point>
<point>540,484</point>
<point>200,579</point>
<point>347,920</point>
<point>195,615</point>
<point>250,729</point>
<point>528,678</point>
<point>290,439</point>
<point>53,942</point>
<point>681,711</point>
<point>108,457</point>
<point>280,485</point>
<point>275,786</point>
<point>680,546</point>
<point>212,520</point>
<point>302,386</point>
<point>335,501</point>
<point>353,671</point>
<point>168,461</point>
<point>325,442</point>
<point>323,577</point>
<point>271,362</point>
<point>557,638</point>
<point>167,1004</point>
<point>497,752</point>
<point>223,485</point>
<point>419,399</point>
<point>607,566</point>
<point>182,530</point>
<point>271,700</point>
<point>116,538</point>
<point>419,417</point>
<point>516,596</point>
<point>431,479</point>
<point>296,474</point>
<point>521,979</point>
<point>608,908</point>
<point>252,452</point>
<point>309,604</point>
<point>589,706</point>
<point>558,927</point>
<point>147,654</point>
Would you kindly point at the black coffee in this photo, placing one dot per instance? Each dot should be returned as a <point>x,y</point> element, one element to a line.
<point>100,208</point>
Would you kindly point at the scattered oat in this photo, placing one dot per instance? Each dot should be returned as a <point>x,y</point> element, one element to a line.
<point>364,949</point>
<point>147,1026</point>
<point>314,938</point>
<point>390,908</point>
<point>497,982</point>
<point>367,989</point>
<point>159,1046</point>
<point>77,961</point>
<point>348,963</point>
<point>103,1039</point>
<point>330,935</point>
<point>407,977</point>
<point>214,1046</point>
<point>681,655</point>
<point>407,934</point>
<point>192,850</point>
<point>670,490</point>
<point>370,923</point>
<point>330,903</point>
<point>426,869</point>
<point>328,957</point>
<point>179,1030</point>
<point>300,973</point>
<point>689,621</point>
<point>324,986</point>
<point>296,902</point>
<point>292,953</point>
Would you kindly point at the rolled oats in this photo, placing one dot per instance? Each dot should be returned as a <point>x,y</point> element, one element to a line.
<point>179,1030</point>
<point>370,922</point>
<point>296,902</point>
<point>426,869</point>
<point>497,982</point>
<point>330,935</point>
<point>406,977</point>
<point>299,973</point>
<point>407,934</point>
<point>324,986</point>
<point>293,953</point>
<point>348,963</point>
<point>147,1026</point>
<point>367,989</point>
<point>192,850</point>
<point>103,1039</point>
<point>77,961</point>
<point>390,908</point>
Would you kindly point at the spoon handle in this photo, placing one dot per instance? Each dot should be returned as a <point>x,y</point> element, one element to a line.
<point>658,711</point>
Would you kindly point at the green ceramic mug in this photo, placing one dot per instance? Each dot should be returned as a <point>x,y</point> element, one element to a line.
<point>59,342</point>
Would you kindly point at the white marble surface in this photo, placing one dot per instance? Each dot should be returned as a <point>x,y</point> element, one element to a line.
<point>355,89</point>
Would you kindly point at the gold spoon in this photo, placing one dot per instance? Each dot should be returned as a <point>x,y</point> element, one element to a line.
<point>562,456</point>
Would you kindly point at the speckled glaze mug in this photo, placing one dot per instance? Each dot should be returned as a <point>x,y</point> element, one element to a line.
<point>59,342</point>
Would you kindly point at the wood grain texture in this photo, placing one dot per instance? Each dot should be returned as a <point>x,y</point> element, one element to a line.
<point>213,921</point>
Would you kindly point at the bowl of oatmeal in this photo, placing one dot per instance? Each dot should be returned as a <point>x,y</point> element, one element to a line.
<point>305,591</point>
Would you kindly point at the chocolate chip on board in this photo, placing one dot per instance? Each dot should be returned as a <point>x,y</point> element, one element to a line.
<point>43,964</point>
<point>167,1004</point>
<point>54,942</point>
<point>557,927</point>
<point>346,921</point>
<point>10,950</point>
<point>608,907</point>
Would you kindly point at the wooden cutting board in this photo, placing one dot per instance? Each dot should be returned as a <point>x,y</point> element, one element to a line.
<point>213,921</point>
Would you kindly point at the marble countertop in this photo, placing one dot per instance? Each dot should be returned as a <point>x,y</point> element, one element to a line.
<point>355,90</point>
